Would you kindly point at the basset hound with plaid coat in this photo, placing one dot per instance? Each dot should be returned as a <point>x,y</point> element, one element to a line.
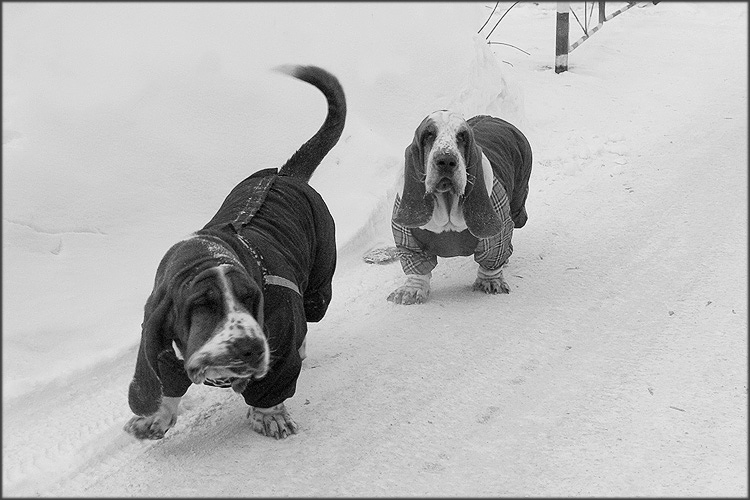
<point>464,190</point>
<point>231,302</point>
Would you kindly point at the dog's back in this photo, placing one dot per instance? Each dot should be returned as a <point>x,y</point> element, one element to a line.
<point>509,153</point>
<point>291,226</point>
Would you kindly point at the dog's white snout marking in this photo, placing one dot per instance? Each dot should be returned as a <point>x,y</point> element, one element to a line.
<point>445,159</point>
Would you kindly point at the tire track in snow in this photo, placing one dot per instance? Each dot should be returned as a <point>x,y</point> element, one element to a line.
<point>71,420</point>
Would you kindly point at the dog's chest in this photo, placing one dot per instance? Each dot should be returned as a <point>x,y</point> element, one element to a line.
<point>447,215</point>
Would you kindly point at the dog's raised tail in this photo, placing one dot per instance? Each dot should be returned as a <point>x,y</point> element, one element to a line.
<point>303,163</point>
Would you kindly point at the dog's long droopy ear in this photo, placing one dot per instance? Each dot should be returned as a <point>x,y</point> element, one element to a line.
<point>416,207</point>
<point>145,391</point>
<point>481,219</point>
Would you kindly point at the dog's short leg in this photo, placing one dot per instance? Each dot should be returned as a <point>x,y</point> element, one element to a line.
<point>156,425</point>
<point>273,422</point>
<point>491,281</point>
<point>414,291</point>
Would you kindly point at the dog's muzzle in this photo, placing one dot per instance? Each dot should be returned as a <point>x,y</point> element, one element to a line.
<point>242,357</point>
<point>445,174</point>
<point>444,185</point>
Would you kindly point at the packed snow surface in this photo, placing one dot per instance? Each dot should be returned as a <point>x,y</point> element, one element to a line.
<point>616,366</point>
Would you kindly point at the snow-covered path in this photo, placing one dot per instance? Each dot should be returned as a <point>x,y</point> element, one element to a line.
<point>616,366</point>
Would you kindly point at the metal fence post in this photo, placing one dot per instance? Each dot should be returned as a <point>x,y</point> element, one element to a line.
<point>563,29</point>
<point>601,13</point>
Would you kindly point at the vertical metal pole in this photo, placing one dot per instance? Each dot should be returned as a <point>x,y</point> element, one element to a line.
<point>563,29</point>
<point>601,13</point>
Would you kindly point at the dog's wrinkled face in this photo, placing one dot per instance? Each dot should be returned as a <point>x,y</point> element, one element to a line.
<point>445,137</point>
<point>218,318</point>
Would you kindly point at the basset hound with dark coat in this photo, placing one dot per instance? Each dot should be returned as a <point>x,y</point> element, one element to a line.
<point>231,302</point>
<point>464,190</point>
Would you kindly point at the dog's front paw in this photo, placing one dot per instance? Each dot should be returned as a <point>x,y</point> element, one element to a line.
<point>151,427</point>
<point>156,425</point>
<point>491,286</point>
<point>273,422</point>
<point>414,291</point>
<point>407,296</point>
<point>490,281</point>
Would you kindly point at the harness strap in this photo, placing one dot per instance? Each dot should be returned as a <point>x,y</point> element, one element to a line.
<point>268,279</point>
<point>271,279</point>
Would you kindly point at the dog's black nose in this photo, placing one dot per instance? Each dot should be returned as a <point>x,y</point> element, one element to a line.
<point>446,161</point>
<point>248,349</point>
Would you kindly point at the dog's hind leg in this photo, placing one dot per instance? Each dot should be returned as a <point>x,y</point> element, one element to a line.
<point>156,425</point>
<point>490,281</point>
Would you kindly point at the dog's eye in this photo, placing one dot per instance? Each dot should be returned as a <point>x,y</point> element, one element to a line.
<point>240,289</point>
<point>208,299</point>
<point>462,137</point>
<point>200,303</point>
<point>249,300</point>
<point>242,296</point>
